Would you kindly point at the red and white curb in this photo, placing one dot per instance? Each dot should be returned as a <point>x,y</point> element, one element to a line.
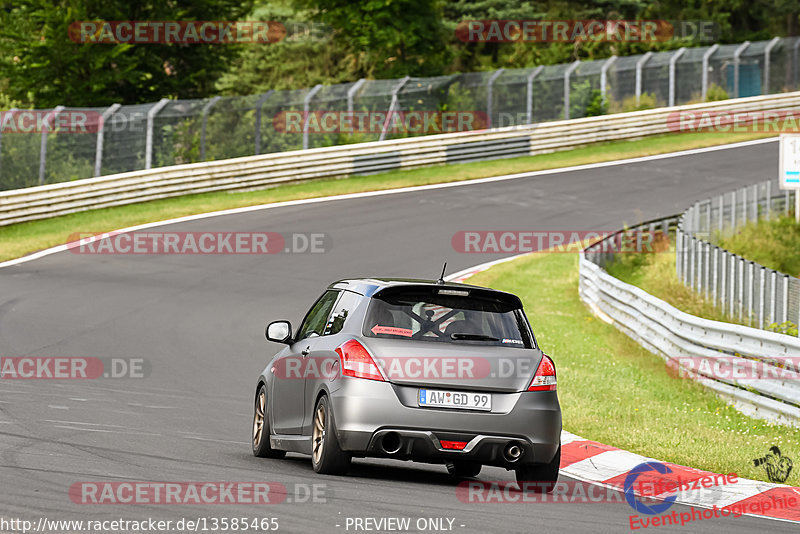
<point>590,461</point>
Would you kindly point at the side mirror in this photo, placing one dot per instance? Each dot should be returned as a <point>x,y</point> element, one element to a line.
<point>279,332</point>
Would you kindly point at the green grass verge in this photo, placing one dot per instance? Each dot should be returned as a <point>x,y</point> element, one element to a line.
<point>772,243</point>
<point>614,391</point>
<point>20,239</point>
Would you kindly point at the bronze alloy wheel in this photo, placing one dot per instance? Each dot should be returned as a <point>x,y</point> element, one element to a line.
<point>318,438</point>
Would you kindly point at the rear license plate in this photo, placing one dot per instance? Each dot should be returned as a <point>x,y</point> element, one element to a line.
<point>454,399</point>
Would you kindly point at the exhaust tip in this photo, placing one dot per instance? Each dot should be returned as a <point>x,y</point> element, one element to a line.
<point>512,452</point>
<point>391,443</point>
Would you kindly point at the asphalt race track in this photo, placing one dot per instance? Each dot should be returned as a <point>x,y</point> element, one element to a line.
<point>199,321</point>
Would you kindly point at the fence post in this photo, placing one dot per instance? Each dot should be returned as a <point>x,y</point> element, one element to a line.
<point>707,268</point>
<point>752,275</point>
<point>101,129</point>
<point>733,211</point>
<point>259,105</point>
<point>723,279</point>
<point>773,308</point>
<point>732,293</point>
<point>392,105</point>
<point>43,145</point>
<point>706,56</point>
<point>639,65</point>
<point>672,60</point>
<point>489,86</point>
<point>755,202</point>
<point>736,60</point>
<point>740,296</point>
<point>306,103</point>
<point>767,51</point>
<point>567,74</point>
<point>148,139</point>
<point>762,286</point>
<point>206,110</point>
<point>604,75</point>
<point>769,200</point>
<point>531,76</point>
<point>678,255</point>
<point>715,277</point>
<point>351,93</point>
<point>785,310</point>
<point>795,70</point>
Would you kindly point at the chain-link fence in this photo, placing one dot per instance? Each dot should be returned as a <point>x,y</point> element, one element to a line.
<point>128,138</point>
<point>741,288</point>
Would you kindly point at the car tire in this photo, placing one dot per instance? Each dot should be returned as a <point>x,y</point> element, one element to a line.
<point>544,475</point>
<point>464,469</point>
<point>327,457</point>
<point>260,437</point>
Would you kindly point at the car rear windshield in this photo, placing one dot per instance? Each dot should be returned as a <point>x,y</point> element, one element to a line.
<point>447,315</point>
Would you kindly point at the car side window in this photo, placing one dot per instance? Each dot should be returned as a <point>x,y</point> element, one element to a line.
<point>344,306</point>
<point>316,318</point>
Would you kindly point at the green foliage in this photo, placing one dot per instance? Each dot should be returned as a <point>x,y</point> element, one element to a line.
<point>715,92</point>
<point>597,105</point>
<point>773,243</point>
<point>646,101</point>
<point>41,64</point>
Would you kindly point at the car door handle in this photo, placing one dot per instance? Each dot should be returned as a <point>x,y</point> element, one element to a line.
<point>305,351</point>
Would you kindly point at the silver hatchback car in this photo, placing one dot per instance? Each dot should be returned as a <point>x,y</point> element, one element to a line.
<point>411,369</point>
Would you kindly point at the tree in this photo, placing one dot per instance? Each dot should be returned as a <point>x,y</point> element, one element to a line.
<point>41,64</point>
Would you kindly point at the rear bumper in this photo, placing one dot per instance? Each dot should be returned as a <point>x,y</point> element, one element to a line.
<point>366,411</point>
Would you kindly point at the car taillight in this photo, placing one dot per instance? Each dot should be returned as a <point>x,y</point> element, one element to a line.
<point>453,445</point>
<point>545,377</point>
<point>357,362</point>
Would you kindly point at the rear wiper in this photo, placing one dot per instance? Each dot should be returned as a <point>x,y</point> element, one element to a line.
<point>473,337</point>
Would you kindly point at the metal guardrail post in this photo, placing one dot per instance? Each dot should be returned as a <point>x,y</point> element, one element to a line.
<point>767,51</point>
<point>43,145</point>
<point>673,59</point>
<point>604,75</point>
<point>733,210</point>
<point>489,94</point>
<point>732,292</point>
<point>393,104</point>
<point>259,106</point>
<point>529,103</point>
<point>744,206</point>
<point>206,110</point>
<point>736,60</point>
<point>6,115</point>
<point>148,140</point>
<point>101,129</point>
<point>351,93</point>
<point>306,104</point>
<point>639,65</point>
<point>707,265</point>
<point>755,202</point>
<point>567,74</point>
<point>706,56</point>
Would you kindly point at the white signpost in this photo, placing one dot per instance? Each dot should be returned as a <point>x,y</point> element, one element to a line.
<point>789,168</point>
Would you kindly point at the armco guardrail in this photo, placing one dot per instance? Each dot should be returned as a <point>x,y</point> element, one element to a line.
<point>346,160</point>
<point>673,335</point>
